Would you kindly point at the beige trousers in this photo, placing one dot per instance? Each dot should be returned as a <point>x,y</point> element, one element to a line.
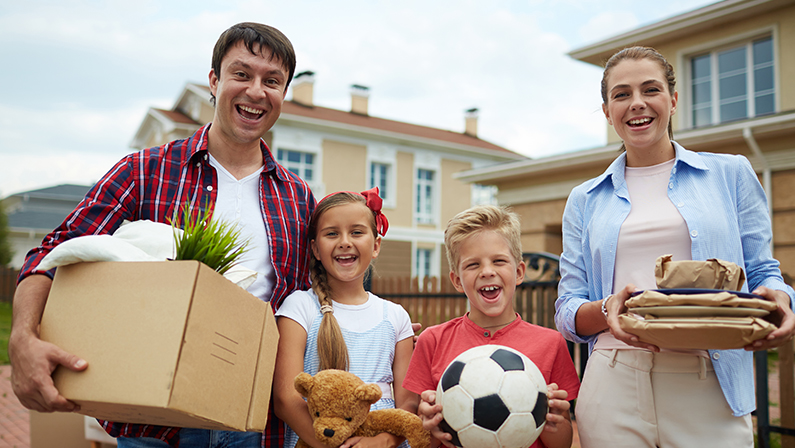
<point>636,399</point>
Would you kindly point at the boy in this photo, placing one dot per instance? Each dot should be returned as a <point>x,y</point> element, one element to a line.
<point>485,256</point>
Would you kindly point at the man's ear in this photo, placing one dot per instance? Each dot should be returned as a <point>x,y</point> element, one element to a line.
<point>213,82</point>
<point>456,280</point>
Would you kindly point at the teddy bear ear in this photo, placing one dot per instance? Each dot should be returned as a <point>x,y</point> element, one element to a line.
<point>368,392</point>
<point>304,383</point>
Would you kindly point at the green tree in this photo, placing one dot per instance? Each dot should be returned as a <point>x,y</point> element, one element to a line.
<point>5,245</point>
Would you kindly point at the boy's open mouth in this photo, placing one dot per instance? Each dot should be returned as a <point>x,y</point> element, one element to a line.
<point>250,112</point>
<point>490,292</point>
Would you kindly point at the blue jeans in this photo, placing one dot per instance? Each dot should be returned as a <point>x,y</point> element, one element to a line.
<point>198,438</point>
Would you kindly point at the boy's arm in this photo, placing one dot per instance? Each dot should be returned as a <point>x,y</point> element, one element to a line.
<point>557,430</point>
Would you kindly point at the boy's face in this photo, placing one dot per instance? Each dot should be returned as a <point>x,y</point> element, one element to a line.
<point>488,275</point>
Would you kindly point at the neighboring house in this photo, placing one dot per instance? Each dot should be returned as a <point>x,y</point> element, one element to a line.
<point>735,67</point>
<point>34,214</point>
<point>333,150</point>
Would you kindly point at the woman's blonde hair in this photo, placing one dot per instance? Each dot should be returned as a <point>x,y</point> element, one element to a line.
<point>331,348</point>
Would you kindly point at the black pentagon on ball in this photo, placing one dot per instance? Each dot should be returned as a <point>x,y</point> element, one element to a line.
<point>452,375</point>
<point>540,409</point>
<point>490,412</point>
<point>445,427</point>
<point>507,360</point>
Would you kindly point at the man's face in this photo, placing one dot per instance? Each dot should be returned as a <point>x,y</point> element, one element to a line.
<point>249,93</point>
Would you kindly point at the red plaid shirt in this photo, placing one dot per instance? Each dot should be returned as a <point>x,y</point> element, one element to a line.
<point>148,185</point>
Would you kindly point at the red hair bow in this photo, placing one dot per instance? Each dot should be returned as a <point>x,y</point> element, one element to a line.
<point>374,203</point>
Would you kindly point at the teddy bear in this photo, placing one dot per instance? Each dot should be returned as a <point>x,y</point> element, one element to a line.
<point>339,403</point>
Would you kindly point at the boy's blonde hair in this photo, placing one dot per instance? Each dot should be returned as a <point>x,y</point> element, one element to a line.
<point>477,219</point>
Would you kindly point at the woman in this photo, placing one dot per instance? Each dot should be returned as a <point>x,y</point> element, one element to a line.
<point>658,198</point>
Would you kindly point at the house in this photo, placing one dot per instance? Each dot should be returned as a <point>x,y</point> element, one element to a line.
<point>735,66</point>
<point>33,214</point>
<point>413,165</point>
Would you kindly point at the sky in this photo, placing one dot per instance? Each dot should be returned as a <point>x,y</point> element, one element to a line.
<point>79,75</point>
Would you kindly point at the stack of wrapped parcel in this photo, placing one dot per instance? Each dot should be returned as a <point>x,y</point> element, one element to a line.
<point>697,306</point>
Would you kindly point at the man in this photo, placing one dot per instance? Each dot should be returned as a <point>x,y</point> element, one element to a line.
<point>252,67</point>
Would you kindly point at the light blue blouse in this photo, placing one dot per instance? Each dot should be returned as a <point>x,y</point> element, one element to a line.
<point>725,208</point>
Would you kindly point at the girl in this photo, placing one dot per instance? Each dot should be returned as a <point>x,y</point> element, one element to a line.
<point>339,325</point>
<point>659,198</point>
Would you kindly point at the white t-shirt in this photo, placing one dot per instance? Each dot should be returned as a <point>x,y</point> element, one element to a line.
<point>238,201</point>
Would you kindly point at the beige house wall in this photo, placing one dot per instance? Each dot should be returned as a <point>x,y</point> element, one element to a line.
<point>457,195</point>
<point>344,166</point>
<point>784,219</point>
<point>541,225</point>
<point>394,260</point>
<point>403,213</point>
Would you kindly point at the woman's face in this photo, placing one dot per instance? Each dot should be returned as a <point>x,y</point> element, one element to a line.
<point>639,107</point>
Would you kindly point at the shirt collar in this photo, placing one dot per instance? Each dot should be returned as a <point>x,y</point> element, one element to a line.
<point>615,171</point>
<point>198,150</point>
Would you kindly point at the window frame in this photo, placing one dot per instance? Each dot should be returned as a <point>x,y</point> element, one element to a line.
<point>430,163</point>
<point>384,156</point>
<point>291,139</point>
<point>685,58</point>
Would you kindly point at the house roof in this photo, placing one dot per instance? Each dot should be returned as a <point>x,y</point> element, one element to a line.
<point>292,110</point>
<point>63,192</point>
<point>677,27</point>
<point>177,116</point>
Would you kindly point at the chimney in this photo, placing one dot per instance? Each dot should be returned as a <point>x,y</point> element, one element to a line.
<point>471,122</point>
<point>359,96</point>
<point>303,88</point>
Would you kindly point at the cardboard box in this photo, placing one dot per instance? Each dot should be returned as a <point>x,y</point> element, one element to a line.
<point>168,343</point>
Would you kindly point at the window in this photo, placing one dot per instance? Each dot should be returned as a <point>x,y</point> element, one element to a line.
<point>379,177</point>
<point>425,196</point>
<point>733,83</point>
<point>300,163</point>
<point>423,262</point>
<point>484,194</point>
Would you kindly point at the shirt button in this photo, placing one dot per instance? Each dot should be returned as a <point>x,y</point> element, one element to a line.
<point>681,204</point>
<point>694,233</point>
<point>716,356</point>
<point>486,333</point>
<point>206,157</point>
<point>209,188</point>
<point>198,164</point>
<point>671,185</point>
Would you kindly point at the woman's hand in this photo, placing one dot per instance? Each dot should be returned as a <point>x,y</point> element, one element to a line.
<point>783,318</point>
<point>615,305</point>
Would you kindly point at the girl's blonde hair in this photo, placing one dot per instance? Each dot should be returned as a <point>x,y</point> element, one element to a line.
<point>331,348</point>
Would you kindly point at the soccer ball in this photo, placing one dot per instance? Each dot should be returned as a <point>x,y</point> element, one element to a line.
<point>492,397</point>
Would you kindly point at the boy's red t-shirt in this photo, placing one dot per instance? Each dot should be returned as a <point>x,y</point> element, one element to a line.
<point>437,346</point>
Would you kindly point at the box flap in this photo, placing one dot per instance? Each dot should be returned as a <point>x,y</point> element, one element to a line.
<point>261,395</point>
<point>215,375</point>
<point>97,311</point>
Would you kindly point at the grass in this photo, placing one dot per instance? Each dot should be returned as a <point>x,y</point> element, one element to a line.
<point>5,330</point>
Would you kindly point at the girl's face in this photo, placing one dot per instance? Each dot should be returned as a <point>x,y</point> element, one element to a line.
<point>345,242</point>
<point>639,107</point>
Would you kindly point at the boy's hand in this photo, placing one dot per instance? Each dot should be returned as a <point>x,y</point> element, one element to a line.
<point>558,407</point>
<point>431,415</point>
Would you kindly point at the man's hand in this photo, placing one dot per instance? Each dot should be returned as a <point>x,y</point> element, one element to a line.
<point>33,360</point>
<point>32,364</point>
